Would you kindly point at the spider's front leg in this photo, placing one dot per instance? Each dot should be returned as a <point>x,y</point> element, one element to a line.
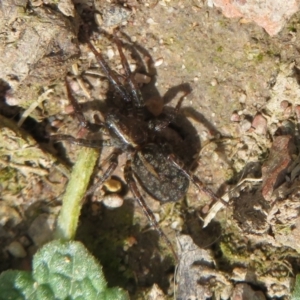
<point>128,174</point>
<point>83,123</point>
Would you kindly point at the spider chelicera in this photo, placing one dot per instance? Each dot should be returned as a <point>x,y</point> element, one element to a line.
<point>151,160</point>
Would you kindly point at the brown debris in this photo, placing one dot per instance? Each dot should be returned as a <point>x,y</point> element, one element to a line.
<point>275,168</point>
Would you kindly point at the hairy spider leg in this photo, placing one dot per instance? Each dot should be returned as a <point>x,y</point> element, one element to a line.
<point>128,174</point>
<point>112,161</point>
<point>136,94</point>
<point>194,179</point>
<point>81,142</point>
<point>110,74</point>
<point>83,123</point>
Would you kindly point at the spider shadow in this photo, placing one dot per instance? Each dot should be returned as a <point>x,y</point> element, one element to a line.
<point>124,250</point>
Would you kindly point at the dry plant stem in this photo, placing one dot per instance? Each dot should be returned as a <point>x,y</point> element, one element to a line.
<point>77,186</point>
<point>33,106</point>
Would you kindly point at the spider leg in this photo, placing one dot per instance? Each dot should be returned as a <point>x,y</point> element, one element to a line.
<point>112,161</point>
<point>110,74</point>
<point>128,173</point>
<point>137,97</point>
<point>194,179</point>
<point>81,142</point>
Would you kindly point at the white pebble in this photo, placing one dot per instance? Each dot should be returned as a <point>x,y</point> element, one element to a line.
<point>151,21</point>
<point>110,53</point>
<point>157,217</point>
<point>158,62</point>
<point>16,249</point>
<point>245,125</point>
<point>113,201</point>
<point>214,82</point>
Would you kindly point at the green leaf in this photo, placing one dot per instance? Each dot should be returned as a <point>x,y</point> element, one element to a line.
<point>296,291</point>
<point>61,270</point>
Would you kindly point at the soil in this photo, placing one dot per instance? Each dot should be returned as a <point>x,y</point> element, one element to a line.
<point>238,125</point>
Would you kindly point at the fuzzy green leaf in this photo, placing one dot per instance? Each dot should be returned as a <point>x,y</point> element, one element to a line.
<point>296,291</point>
<point>61,270</point>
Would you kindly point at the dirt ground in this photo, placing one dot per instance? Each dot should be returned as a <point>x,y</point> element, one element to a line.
<point>239,126</point>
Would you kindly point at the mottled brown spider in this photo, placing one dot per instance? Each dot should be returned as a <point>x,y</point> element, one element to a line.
<point>133,130</point>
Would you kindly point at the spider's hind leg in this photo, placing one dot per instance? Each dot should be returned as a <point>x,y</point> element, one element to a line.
<point>194,179</point>
<point>128,173</point>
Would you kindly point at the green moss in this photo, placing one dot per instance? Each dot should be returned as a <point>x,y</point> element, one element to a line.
<point>259,57</point>
<point>7,174</point>
<point>292,28</point>
<point>220,49</point>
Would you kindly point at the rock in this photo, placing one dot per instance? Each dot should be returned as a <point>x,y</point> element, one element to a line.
<point>41,229</point>
<point>41,48</point>
<point>113,200</point>
<point>259,124</point>
<point>245,292</point>
<point>16,249</point>
<point>269,14</point>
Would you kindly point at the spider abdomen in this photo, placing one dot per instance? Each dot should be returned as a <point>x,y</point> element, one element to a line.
<point>159,176</point>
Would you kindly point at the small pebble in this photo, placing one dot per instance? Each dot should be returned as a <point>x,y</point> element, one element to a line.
<point>158,62</point>
<point>151,21</point>
<point>235,117</point>
<point>214,82</point>
<point>41,229</point>
<point>110,53</point>
<point>114,15</point>
<point>259,123</point>
<point>242,98</point>
<point>132,67</point>
<point>74,86</point>
<point>112,201</point>
<point>245,125</point>
<point>284,104</point>
<point>10,99</point>
<point>16,249</point>
<point>174,225</point>
<point>112,185</point>
<point>157,217</point>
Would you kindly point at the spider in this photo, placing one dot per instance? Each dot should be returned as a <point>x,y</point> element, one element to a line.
<point>132,130</point>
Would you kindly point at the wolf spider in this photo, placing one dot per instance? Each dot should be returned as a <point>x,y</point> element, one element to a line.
<point>135,131</point>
